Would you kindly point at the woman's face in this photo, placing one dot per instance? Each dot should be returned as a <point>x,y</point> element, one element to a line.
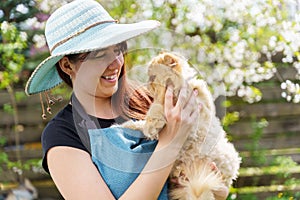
<point>98,72</point>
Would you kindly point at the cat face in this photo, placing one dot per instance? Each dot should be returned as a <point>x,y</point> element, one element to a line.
<point>165,70</point>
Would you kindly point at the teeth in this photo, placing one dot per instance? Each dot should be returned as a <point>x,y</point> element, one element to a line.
<point>110,77</point>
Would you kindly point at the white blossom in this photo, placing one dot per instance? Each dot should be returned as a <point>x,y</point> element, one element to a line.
<point>23,36</point>
<point>22,8</point>
<point>39,40</point>
<point>4,26</point>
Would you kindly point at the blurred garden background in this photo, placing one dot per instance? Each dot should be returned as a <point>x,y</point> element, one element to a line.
<point>247,51</point>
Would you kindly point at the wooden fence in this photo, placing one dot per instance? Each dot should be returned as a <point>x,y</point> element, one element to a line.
<point>280,138</point>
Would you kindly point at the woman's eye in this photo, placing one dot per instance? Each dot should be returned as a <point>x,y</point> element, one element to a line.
<point>117,51</point>
<point>103,54</point>
<point>100,55</point>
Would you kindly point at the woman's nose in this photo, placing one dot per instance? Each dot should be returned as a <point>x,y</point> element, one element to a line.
<point>116,63</point>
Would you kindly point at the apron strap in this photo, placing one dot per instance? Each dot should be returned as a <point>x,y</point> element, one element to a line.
<point>82,122</point>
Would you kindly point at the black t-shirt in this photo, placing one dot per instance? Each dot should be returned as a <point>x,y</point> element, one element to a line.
<point>61,131</point>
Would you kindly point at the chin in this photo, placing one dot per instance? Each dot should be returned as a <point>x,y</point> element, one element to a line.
<point>107,92</point>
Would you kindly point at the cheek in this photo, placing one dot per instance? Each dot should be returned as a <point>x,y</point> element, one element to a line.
<point>89,72</point>
<point>87,77</point>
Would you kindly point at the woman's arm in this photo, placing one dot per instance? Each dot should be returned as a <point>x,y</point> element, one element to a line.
<point>75,175</point>
<point>77,178</point>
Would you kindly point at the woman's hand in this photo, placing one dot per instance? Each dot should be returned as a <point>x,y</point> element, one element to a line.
<point>222,192</point>
<point>180,117</point>
<point>219,194</point>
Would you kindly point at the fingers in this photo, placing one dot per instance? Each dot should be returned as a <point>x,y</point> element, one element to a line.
<point>183,97</point>
<point>186,107</point>
<point>221,193</point>
<point>195,113</point>
<point>213,166</point>
<point>190,110</point>
<point>169,100</point>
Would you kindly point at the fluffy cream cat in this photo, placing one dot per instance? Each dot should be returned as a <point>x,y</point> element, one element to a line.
<point>206,144</point>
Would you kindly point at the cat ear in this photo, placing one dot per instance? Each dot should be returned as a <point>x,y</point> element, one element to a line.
<point>152,78</point>
<point>170,60</point>
<point>169,82</point>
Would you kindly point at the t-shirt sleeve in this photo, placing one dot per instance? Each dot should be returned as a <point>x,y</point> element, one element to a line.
<point>59,133</point>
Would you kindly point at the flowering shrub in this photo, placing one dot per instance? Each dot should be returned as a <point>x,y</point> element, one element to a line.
<point>12,45</point>
<point>234,43</point>
<point>292,92</point>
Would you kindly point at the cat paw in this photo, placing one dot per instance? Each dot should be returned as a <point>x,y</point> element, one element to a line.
<point>153,126</point>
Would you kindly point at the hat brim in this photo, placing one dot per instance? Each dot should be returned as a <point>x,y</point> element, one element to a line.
<point>45,76</point>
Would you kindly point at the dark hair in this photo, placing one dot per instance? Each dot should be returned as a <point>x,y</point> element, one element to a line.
<point>130,101</point>
<point>65,77</point>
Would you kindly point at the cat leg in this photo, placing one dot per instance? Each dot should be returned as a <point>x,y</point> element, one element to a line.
<point>155,121</point>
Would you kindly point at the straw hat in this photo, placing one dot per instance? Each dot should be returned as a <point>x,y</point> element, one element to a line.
<point>79,26</point>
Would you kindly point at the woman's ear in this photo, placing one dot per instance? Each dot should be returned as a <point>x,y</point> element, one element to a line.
<point>66,66</point>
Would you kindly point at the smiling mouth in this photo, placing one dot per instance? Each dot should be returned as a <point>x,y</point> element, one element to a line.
<point>112,77</point>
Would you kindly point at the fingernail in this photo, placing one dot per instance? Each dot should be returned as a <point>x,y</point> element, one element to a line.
<point>195,92</point>
<point>213,166</point>
<point>170,88</point>
<point>200,106</point>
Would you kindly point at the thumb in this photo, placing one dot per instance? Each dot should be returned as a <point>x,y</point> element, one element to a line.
<point>221,193</point>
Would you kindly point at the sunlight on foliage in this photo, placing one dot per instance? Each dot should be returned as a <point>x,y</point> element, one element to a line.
<point>234,43</point>
<point>11,51</point>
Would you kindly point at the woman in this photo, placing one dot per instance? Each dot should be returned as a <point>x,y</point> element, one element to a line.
<point>87,47</point>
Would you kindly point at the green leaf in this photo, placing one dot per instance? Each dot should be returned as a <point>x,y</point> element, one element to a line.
<point>8,108</point>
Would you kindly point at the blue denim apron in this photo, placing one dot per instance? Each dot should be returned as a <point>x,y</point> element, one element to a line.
<point>120,154</point>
